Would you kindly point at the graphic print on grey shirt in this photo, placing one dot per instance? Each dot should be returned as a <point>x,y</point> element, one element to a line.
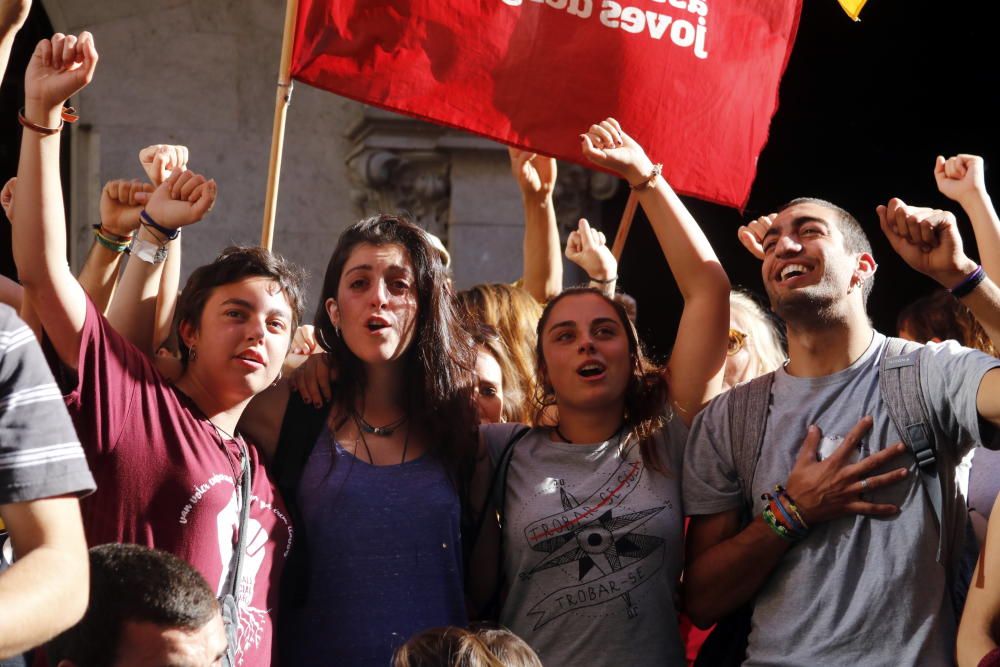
<point>593,544</point>
<point>857,590</point>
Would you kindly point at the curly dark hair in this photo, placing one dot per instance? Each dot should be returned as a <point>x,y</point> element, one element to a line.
<point>439,364</point>
<point>645,395</point>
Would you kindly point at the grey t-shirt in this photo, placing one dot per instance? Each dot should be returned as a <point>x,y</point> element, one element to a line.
<point>858,590</point>
<point>593,548</point>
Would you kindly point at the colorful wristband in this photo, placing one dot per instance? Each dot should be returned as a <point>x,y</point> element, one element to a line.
<point>110,244</point>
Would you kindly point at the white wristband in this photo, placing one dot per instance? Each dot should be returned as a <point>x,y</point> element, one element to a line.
<point>148,252</point>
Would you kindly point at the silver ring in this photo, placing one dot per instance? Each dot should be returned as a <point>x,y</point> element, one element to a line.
<point>864,485</point>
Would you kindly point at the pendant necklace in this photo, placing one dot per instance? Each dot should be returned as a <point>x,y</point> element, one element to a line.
<point>362,430</point>
<point>383,431</point>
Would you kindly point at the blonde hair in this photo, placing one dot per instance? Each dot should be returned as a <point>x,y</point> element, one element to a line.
<point>766,345</point>
<point>445,647</point>
<point>514,313</point>
<point>509,649</point>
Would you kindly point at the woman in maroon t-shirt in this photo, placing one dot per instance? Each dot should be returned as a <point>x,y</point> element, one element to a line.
<point>165,455</point>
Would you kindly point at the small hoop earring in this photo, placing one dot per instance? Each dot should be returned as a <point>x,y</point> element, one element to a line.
<point>193,354</point>
<point>277,379</point>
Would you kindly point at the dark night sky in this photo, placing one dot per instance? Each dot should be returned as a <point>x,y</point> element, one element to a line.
<point>864,109</point>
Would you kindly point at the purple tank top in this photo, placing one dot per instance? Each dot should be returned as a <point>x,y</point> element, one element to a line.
<point>385,558</point>
<point>984,480</point>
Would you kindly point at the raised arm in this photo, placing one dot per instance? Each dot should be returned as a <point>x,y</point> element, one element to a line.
<point>588,248</point>
<point>58,69</point>
<point>960,178</point>
<point>160,161</point>
<point>928,241</point>
<point>121,202</point>
<point>181,200</point>
<point>699,351</point>
<point>13,14</point>
<point>536,177</point>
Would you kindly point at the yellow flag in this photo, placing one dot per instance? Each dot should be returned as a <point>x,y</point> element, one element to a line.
<point>852,7</point>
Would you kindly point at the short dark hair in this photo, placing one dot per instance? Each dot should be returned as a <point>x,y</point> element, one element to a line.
<point>855,239</point>
<point>233,264</point>
<point>129,582</point>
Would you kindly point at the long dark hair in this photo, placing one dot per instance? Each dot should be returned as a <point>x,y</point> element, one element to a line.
<point>439,365</point>
<point>645,394</point>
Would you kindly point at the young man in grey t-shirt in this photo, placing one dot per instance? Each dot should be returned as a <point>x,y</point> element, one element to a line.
<point>865,585</point>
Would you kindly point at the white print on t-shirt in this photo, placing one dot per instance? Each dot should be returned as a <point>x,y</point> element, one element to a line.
<point>595,542</point>
<point>250,619</point>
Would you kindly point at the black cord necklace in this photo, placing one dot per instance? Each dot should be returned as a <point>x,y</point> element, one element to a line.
<point>383,431</point>
<point>364,441</point>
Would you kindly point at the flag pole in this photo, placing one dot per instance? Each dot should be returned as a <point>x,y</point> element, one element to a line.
<point>281,102</point>
<point>625,226</point>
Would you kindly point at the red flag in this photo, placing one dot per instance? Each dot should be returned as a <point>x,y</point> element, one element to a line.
<point>694,81</point>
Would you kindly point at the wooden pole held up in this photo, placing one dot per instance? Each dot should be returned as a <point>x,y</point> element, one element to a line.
<point>625,226</point>
<point>282,99</point>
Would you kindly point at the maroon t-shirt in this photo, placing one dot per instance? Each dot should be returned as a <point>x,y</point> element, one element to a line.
<point>167,479</point>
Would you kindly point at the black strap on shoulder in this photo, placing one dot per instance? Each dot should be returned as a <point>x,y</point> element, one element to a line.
<point>748,406</point>
<point>496,500</point>
<point>300,429</point>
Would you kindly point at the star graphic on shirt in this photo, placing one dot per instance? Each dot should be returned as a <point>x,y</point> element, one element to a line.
<point>601,543</point>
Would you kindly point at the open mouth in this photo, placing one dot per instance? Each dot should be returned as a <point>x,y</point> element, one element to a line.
<point>376,324</point>
<point>591,370</point>
<point>792,271</point>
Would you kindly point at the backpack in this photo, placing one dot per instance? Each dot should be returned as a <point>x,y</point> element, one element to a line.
<point>899,384</point>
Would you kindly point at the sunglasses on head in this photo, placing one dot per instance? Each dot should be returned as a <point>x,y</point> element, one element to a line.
<point>737,339</point>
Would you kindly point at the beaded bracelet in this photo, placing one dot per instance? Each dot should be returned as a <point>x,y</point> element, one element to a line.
<point>118,238</point>
<point>111,244</point>
<point>779,491</point>
<point>780,529</point>
<point>787,518</point>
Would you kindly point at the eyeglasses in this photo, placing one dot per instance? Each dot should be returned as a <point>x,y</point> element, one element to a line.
<point>737,339</point>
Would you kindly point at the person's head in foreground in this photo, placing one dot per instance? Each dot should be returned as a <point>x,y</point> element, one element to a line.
<point>147,608</point>
<point>458,647</point>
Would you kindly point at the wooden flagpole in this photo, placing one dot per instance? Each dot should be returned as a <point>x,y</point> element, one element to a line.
<point>625,226</point>
<point>281,102</point>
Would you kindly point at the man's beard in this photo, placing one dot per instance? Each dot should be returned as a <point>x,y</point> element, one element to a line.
<point>808,308</point>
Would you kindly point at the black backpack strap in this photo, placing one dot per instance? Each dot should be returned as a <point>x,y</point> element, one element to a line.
<point>748,407</point>
<point>496,499</point>
<point>300,429</point>
<point>899,382</point>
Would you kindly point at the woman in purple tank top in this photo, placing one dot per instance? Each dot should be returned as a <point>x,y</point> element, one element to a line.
<point>378,493</point>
